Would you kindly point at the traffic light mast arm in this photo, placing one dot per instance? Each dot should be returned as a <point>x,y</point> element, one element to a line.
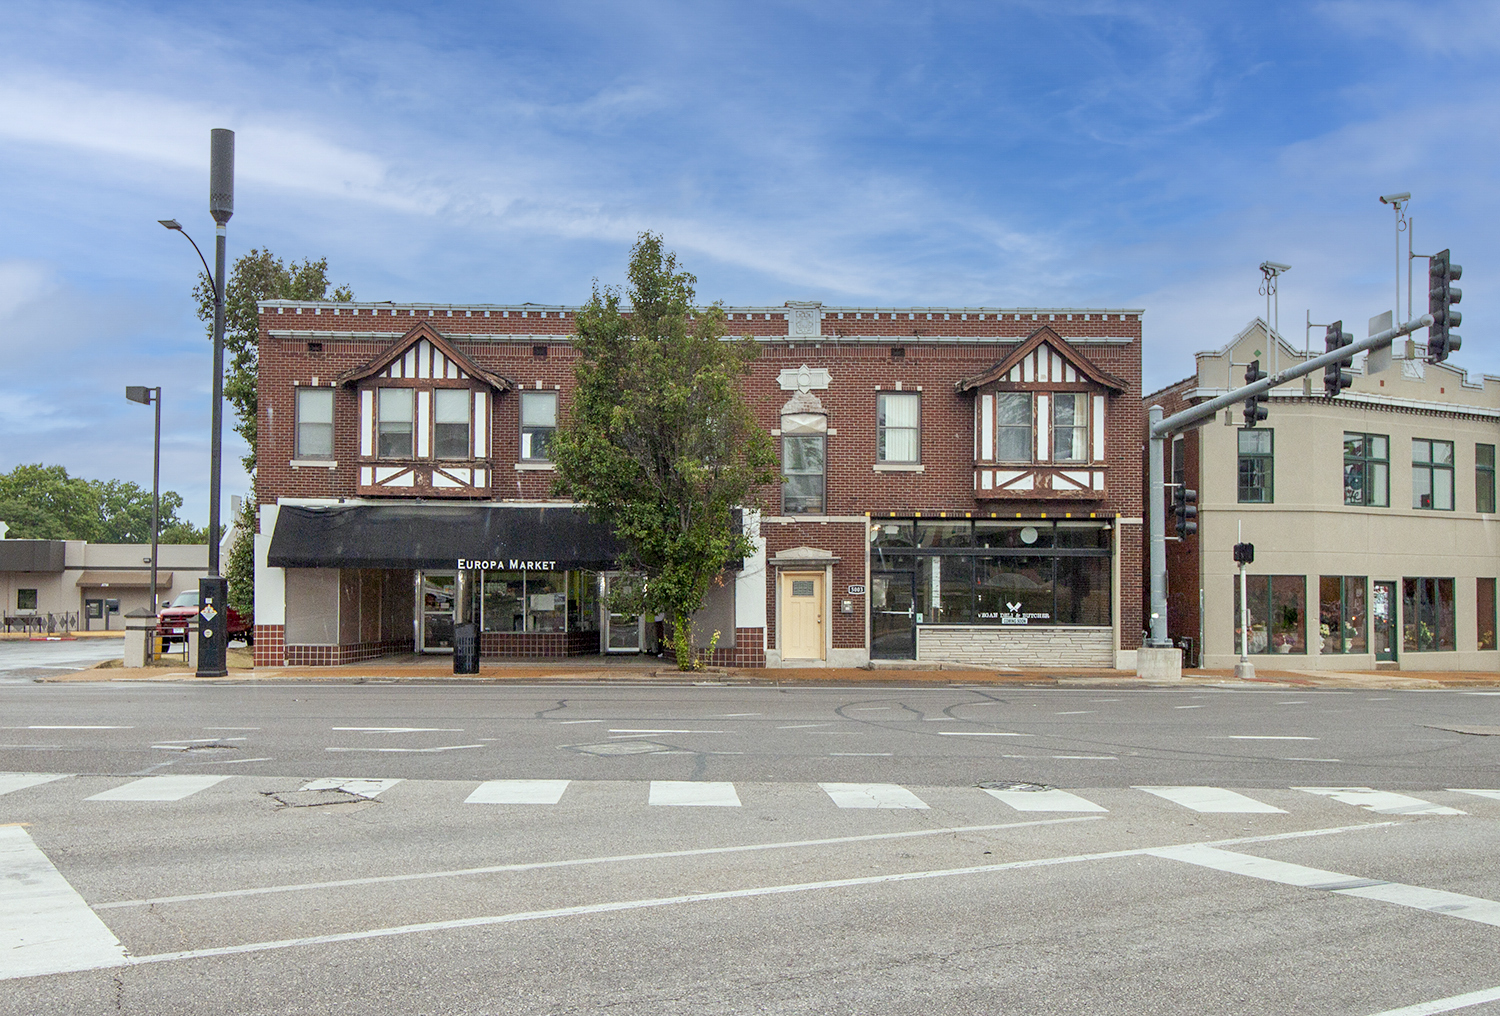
<point>1190,416</point>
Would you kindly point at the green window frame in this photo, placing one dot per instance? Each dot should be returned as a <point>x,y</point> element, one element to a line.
<point>1427,615</point>
<point>1257,465</point>
<point>1484,478</point>
<point>1342,613</point>
<point>1367,470</point>
<point>1278,613</point>
<point>1484,609</point>
<point>1432,474</point>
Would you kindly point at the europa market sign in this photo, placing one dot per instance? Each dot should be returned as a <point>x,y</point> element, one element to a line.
<point>504,564</point>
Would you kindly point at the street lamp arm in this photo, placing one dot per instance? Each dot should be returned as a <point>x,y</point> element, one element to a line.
<point>172,224</point>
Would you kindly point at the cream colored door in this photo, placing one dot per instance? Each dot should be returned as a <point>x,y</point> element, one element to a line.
<point>802,616</point>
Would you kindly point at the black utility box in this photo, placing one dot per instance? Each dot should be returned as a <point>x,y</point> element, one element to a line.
<point>466,648</point>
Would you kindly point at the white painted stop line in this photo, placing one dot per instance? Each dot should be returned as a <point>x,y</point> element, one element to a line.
<point>1213,800</point>
<point>518,792</point>
<point>20,781</point>
<point>871,795</point>
<point>691,793</point>
<point>1043,800</point>
<point>45,926</point>
<point>159,788</point>
<point>1382,802</point>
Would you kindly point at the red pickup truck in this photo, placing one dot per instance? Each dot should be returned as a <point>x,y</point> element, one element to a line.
<point>173,620</point>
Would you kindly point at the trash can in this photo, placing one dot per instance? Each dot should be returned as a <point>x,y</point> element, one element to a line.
<point>466,648</point>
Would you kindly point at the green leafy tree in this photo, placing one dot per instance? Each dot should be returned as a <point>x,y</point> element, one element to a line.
<point>659,441</point>
<point>240,568</point>
<point>258,275</point>
<point>45,503</point>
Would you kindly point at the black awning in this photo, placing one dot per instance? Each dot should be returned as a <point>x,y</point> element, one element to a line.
<point>493,537</point>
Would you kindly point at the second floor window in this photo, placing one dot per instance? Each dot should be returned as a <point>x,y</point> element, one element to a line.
<point>395,414</point>
<point>1013,423</point>
<point>1257,466</point>
<point>1432,474</point>
<point>802,464</point>
<point>1070,427</point>
<point>898,421</point>
<point>314,423</point>
<point>450,423</point>
<point>538,422</point>
<point>1484,478</point>
<point>1367,470</point>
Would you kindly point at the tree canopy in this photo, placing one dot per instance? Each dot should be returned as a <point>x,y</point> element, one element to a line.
<point>258,275</point>
<point>44,503</point>
<point>659,441</point>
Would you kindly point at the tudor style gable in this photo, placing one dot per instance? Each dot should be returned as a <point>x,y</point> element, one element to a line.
<point>425,412</point>
<point>1041,423</point>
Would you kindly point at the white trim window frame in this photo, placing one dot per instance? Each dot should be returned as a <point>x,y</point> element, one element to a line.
<point>1070,427</point>
<point>1015,427</point>
<point>538,423</point>
<point>395,423</point>
<point>898,427</point>
<point>314,423</point>
<point>452,423</point>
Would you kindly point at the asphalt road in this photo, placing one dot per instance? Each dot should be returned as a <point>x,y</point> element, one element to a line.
<point>727,849</point>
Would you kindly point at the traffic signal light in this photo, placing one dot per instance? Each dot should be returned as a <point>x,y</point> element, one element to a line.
<point>1244,553</point>
<point>1184,502</point>
<point>1441,296</point>
<point>1335,377</point>
<point>1255,408</point>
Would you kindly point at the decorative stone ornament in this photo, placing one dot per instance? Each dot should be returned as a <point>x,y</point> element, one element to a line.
<point>804,379</point>
<point>805,319</point>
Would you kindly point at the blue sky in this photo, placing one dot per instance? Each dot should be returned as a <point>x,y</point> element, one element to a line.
<point>1104,154</point>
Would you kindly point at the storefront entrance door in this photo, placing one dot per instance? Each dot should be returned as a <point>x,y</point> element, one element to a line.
<point>802,616</point>
<point>892,635</point>
<point>435,605</point>
<point>1383,621</point>
<point>622,632</point>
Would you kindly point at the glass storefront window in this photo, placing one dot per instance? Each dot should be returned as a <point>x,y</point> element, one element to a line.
<point>945,589</point>
<point>1278,613</point>
<point>944,534</point>
<point>546,601</point>
<point>504,601</point>
<point>583,601</point>
<point>1014,586</point>
<point>1082,535</point>
<point>1341,613</point>
<point>892,533</point>
<point>1083,591</point>
<point>1427,615</point>
<point>1020,535</point>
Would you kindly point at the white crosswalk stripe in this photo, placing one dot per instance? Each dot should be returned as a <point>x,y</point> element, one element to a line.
<point>10,782</point>
<point>693,794</point>
<point>1213,800</point>
<point>1043,800</point>
<point>359,788</point>
<point>1382,802</point>
<point>872,795</point>
<point>159,788</point>
<point>518,792</point>
<point>45,926</point>
<point>1492,794</point>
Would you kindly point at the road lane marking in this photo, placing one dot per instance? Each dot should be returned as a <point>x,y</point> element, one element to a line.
<point>630,730</point>
<point>1043,800</point>
<point>1187,707</point>
<point>159,788</point>
<point>518,792</point>
<point>693,794</point>
<point>1445,1004</point>
<point>45,926</point>
<point>1495,794</point>
<point>1095,758</point>
<point>978,733</point>
<point>1294,758</point>
<point>230,761</point>
<point>804,726</point>
<point>1213,800</point>
<point>1262,737</point>
<point>231,728</point>
<point>1381,802</point>
<point>359,788</point>
<point>871,795</point>
<point>564,722</point>
<point>626,905</point>
<point>733,716</point>
<point>446,747</point>
<point>10,782</point>
<point>1075,712</point>
<point>402,730</point>
<point>860,754</point>
<point>1434,901</point>
<point>72,727</point>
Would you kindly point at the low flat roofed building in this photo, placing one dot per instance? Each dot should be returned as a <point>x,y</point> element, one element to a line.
<point>89,586</point>
<point>1372,516</point>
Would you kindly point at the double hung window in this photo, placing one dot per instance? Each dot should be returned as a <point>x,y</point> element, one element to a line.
<point>450,423</point>
<point>898,426</point>
<point>1484,478</point>
<point>1257,465</point>
<point>1432,474</point>
<point>314,423</point>
<point>1070,427</point>
<point>395,412</point>
<point>802,464</point>
<point>538,423</point>
<point>1013,427</point>
<point>1367,470</point>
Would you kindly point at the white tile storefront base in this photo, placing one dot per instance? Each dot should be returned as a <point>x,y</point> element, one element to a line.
<point>1017,645</point>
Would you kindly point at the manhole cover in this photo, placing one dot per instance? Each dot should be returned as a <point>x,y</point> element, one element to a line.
<point>621,748</point>
<point>1036,788</point>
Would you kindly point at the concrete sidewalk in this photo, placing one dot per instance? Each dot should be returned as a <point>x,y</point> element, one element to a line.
<point>635,670</point>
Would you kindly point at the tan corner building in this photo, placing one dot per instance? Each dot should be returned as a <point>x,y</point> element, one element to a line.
<point>1372,516</point>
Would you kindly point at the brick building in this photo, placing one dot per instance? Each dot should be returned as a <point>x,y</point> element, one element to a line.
<point>961,484</point>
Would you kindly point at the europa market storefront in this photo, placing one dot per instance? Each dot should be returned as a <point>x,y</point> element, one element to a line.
<point>343,583</point>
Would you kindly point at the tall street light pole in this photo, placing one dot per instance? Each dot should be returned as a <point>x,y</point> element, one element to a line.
<point>146,396</point>
<point>213,591</point>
